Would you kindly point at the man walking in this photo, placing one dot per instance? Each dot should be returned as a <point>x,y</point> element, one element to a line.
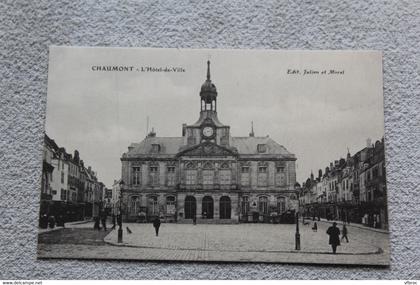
<point>344,233</point>
<point>103,219</point>
<point>334,234</point>
<point>156,225</point>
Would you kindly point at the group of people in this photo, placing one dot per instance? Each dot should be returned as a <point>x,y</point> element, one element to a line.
<point>51,221</point>
<point>101,219</point>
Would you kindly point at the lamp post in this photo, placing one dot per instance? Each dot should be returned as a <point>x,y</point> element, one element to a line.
<point>297,235</point>
<point>120,230</point>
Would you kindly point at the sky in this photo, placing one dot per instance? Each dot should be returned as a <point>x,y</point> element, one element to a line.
<point>315,116</point>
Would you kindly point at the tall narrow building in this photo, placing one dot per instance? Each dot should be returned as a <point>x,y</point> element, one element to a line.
<point>207,174</point>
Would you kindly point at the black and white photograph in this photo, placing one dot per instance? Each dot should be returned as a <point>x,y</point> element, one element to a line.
<point>212,155</point>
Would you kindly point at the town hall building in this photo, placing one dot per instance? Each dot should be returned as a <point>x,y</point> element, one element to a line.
<point>208,175</point>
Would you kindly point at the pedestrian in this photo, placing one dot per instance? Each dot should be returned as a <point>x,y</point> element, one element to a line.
<point>156,225</point>
<point>96,225</point>
<point>103,219</point>
<point>344,233</point>
<point>43,221</point>
<point>60,221</point>
<point>334,234</point>
<point>315,227</point>
<point>51,221</point>
<point>194,220</point>
<point>113,221</point>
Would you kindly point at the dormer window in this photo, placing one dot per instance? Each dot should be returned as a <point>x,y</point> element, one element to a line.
<point>155,148</point>
<point>261,148</point>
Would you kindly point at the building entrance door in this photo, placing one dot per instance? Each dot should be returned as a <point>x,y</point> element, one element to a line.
<point>190,207</point>
<point>207,207</point>
<point>225,207</point>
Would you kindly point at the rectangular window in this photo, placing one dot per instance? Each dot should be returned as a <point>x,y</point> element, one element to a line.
<point>262,178</point>
<point>191,177</point>
<point>63,195</point>
<point>280,169</point>
<point>171,169</point>
<point>154,175</point>
<point>375,172</point>
<point>136,175</point>
<point>62,176</point>
<point>208,177</point>
<point>225,176</point>
<point>245,179</point>
<point>280,179</point>
<point>262,169</point>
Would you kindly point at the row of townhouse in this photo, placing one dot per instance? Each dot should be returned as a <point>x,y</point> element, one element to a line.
<point>351,189</point>
<point>69,189</point>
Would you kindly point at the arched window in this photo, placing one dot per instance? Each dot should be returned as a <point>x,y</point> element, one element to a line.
<point>281,205</point>
<point>263,205</point>
<point>225,207</point>
<point>207,207</point>
<point>245,205</point>
<point>134,205</point>
<point>152,206</point>
<point>170,205</point>
<point>190,207</point>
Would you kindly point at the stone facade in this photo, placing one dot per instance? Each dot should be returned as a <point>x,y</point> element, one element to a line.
<point>351,189</point>
<point>208,175</point>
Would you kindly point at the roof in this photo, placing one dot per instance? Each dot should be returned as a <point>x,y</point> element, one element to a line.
<point>168,145</point>
<point>173,145</point>
<point>248,145</point>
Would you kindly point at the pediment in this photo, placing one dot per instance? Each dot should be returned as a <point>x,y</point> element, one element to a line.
<point>208,149</point>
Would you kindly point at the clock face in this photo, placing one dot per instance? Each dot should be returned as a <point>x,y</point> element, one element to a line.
<point>208,131</point>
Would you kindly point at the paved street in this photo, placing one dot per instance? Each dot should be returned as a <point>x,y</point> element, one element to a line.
<point>243,242</point>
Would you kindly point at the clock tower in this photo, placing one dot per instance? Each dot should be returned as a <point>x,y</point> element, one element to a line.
<point>208,128</point>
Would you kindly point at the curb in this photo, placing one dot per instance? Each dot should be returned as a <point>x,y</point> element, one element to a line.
<point>355,226</point>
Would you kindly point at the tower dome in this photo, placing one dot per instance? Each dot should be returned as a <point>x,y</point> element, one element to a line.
<point>208,91</point>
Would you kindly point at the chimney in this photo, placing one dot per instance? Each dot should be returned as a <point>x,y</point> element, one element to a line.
<point>152,133</point>
<point>184,129</point>
<point>368,142</point>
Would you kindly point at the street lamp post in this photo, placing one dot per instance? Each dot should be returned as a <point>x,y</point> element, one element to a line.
<point>120,230</point>
<point>297,235</point>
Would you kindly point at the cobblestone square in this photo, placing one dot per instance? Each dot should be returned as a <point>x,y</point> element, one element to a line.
<point>202,242</point>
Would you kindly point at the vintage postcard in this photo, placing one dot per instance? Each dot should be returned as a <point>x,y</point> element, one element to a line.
<point>214,155</point>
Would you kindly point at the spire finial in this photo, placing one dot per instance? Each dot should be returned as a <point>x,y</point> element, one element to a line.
<point>208,69</point>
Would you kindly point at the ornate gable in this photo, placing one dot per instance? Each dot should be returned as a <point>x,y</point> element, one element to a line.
<point>208,149</point>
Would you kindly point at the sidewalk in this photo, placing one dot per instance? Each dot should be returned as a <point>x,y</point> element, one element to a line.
<point>66,225</point>
<point>355,225</point>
